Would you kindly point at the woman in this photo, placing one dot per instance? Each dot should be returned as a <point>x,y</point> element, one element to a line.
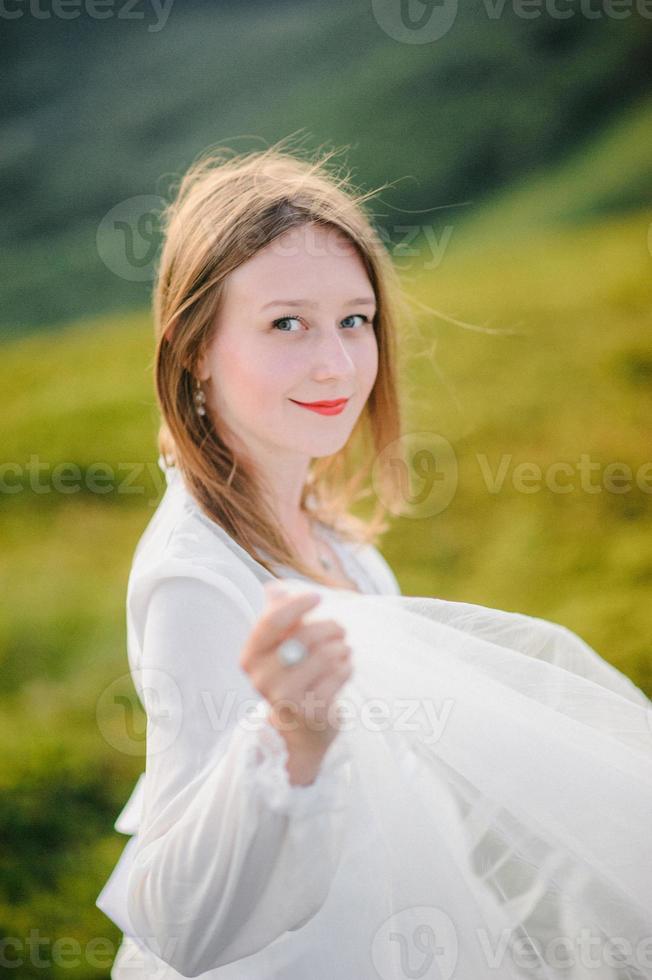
<point>342,781</point>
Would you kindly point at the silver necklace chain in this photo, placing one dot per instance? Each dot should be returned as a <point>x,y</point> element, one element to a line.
<point>326,563</point>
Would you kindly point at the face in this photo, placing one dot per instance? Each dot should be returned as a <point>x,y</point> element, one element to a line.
<point>296,325</point>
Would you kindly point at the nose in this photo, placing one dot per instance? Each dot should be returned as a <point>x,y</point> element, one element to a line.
<point>330,358</point>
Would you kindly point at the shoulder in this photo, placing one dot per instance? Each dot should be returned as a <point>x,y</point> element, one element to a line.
<point>181,547</point>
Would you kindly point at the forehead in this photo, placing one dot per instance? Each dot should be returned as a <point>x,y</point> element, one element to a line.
<point>310,257</point>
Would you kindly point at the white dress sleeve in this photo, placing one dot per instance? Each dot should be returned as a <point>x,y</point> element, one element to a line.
<point>229,854</point>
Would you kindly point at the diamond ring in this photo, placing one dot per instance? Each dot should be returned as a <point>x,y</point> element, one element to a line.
<point>291,652</point>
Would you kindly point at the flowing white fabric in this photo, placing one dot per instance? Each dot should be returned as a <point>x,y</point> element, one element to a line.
<point>528,823</point>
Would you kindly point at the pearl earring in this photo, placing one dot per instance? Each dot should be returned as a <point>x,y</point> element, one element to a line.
<point>199,397</point>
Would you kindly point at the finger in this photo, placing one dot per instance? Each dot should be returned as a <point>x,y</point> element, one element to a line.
<point>325,690</point>
<point>329,660</point>
<point>293,683</point>
<point>278,591</point>
<point>315,704</point>
<point>319,631</point>
<point>277,622</point>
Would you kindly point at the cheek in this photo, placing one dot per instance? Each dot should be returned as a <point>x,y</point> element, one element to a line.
<point>368,364</point>
<point>254,379</point>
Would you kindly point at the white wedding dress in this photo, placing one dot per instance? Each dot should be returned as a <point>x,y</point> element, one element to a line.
<point>485,811</point>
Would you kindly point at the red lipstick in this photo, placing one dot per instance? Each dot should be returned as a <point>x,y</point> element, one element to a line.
<point>324,407</point>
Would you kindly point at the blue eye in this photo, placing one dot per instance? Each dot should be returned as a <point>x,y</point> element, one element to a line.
<point>284,319</point>
<point>354,315</point>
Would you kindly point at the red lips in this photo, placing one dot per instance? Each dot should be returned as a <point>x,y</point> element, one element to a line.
<point>338,401</point>
<point>324,408</point>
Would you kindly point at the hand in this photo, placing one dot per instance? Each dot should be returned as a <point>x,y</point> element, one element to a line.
<point>301,696</point>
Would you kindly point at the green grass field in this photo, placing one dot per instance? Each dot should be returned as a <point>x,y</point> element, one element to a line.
<point>573,377</point>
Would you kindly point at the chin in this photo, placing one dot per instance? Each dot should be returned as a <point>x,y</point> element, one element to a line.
<point>328,448</point>
<point>324,446</point>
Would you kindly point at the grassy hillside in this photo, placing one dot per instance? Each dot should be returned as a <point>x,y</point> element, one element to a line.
<point>606,174</point>
<point>574,376</point>
<point>490,102</point>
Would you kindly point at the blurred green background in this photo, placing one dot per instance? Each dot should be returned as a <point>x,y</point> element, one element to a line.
<point>520,148</point>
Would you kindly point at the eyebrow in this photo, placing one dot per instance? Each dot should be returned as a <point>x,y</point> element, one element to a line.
<point>361,300</point>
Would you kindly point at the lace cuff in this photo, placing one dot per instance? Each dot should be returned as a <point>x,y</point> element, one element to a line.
<point>266,767</point>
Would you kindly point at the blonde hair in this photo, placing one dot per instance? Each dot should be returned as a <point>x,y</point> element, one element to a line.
<point>226,208</point>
